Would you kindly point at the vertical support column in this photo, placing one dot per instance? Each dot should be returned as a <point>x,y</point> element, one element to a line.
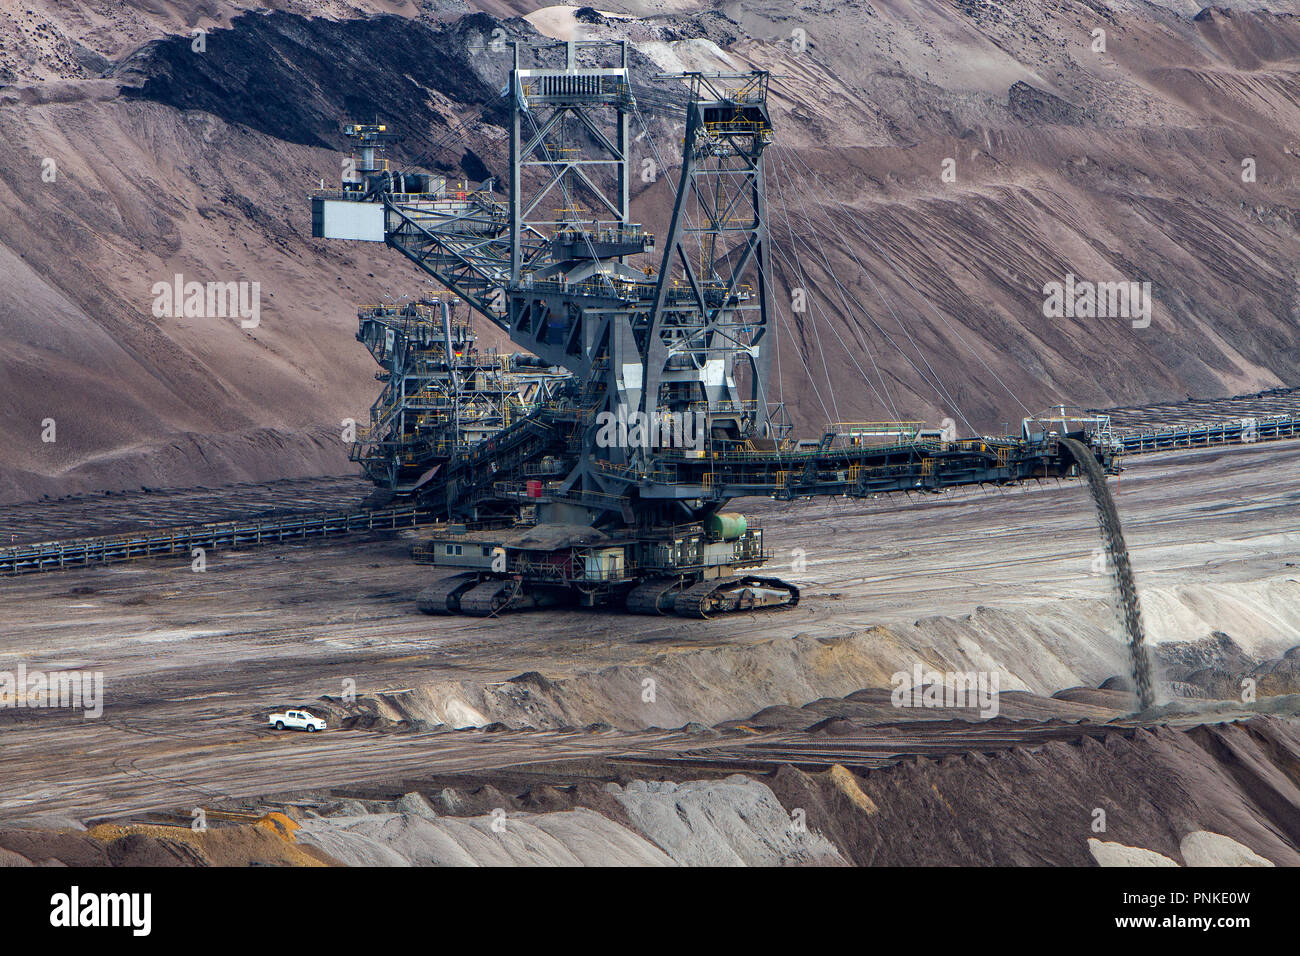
<point>764,338</point>
<point>624,146</point>
<point>516,103</point>
<point>624,167</point>
<point>656,348</point>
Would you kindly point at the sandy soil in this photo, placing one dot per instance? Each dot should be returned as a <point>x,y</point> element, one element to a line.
<point>191,659</point>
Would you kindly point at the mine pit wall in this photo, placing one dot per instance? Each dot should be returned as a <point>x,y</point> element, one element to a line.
<point>1214,795</point>
<point>733,822</point>
<point>1161,789</point>
<point>1042,648</point>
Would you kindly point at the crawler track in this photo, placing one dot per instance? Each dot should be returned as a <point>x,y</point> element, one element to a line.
<point>490,597</point>
<point>444,596</point>
<point>655,596</point>
<point>735,593</point>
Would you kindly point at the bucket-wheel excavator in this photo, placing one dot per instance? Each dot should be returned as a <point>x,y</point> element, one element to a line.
<point>611,487</point>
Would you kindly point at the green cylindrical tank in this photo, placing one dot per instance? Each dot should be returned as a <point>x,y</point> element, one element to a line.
<point>725,525</point>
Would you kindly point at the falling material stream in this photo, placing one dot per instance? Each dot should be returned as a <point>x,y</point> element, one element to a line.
<point>1126,590</point>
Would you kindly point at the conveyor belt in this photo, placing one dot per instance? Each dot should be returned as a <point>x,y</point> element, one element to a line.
<point>1210,434</point>
<point>1227,422</point>
<point>223,535</point>
<point>1271,415</point>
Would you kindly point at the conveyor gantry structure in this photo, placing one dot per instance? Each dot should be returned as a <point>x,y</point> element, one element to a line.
<point>613,490</point>
<point>1140,435</point>
<point>442,394</point>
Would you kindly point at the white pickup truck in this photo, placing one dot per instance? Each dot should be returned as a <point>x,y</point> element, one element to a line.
<point>296,720</point>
